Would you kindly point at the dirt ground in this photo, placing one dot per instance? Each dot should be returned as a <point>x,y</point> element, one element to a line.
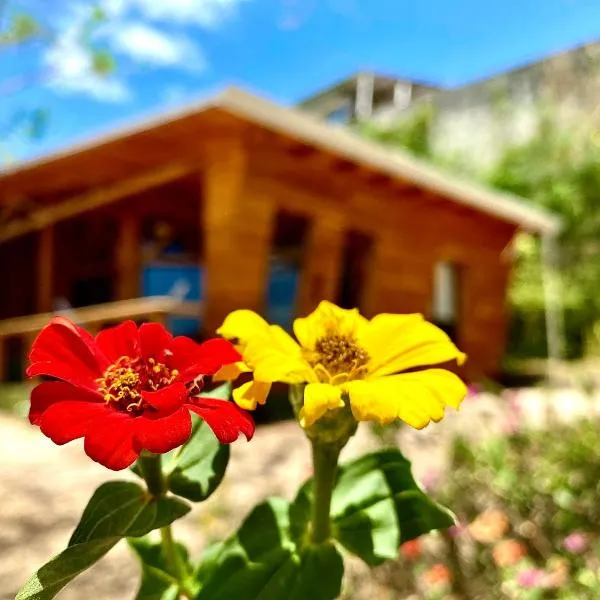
<point>44,488</point>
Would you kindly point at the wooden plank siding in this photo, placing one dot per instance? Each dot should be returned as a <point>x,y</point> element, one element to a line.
<point>236,182</point>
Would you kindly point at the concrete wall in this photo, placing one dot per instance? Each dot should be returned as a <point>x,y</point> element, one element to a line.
<point>476,122</point>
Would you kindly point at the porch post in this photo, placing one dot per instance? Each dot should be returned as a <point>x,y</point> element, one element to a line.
<point>320,278</point>
<point>45,270</point>
<point>552,306</point>
<point>236,219</point>
<point>127,257</point>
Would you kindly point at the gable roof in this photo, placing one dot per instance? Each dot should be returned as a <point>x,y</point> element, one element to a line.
<point>336,140</point>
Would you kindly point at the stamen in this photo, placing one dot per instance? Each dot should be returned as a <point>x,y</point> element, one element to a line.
<point>124,381</point>
<point>339,357</point>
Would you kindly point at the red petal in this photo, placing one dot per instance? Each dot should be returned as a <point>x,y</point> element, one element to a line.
<point>192,359</point>
<point>122,340</point>
<point>167,399</point>
<point>66,351</point>
<point>111,442</point>
<point>164,434</point>
<point>48,393</point>
<point>225,418</point>
<point>155,342</point>
<point>68,420</point>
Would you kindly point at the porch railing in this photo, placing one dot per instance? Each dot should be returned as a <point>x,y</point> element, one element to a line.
<point>154,308</point>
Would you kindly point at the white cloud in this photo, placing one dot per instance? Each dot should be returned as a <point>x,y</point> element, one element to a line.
<point>203,13</point>
<point>70,67</point>
<point>145,44</point>
<point>134,30</point>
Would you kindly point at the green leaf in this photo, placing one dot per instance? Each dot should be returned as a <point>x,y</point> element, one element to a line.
<point>158,582</point>
<point>198,468</point>
<point>262,561</point>
<point>45,583</point>
<point>117,509</point>
<point>376,507</point>
<point>124,509</point>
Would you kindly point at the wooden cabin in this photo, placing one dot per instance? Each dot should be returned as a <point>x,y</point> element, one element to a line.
<point>239,202</point>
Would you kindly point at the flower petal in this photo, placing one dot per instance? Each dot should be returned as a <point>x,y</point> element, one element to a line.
<point>111,441</point>
<point>163,434</point>
<point>267,349</point>
<point>319,398</point>
<point>272,358</point>
<point>168,399</point>
<point>325,319</point>
<point>231,372</point>
<point>415,398</point>
<point>65,351</point>
<point>48,393</point>
<point>225,419</point>
<point>242,326</point>
<point>119,341</point>
<point>68,420</point>
<point>249,394</point>
<point>155,342</point>
<point>192,359</point>
<point>399,342</point>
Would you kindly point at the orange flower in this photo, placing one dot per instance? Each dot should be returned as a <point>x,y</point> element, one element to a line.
<point>438,575</point>
<point>508,553</point>
<point>489,526</point>
<point>411,550</point>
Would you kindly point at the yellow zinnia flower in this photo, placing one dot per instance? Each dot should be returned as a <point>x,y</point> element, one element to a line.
<point>345,358</point>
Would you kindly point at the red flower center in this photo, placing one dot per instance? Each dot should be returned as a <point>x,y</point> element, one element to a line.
<point>124,381</point>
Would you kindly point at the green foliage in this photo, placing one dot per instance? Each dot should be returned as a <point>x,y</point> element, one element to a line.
<point>554,172</point>
<point>545,483</point>
<point>198,468</point>
<point>123,508</point>
<point>159,582</point>
<point>264,560</point>
<point>22,28</point>
<point>411,133</point>
<point>116,510</point>
<point>47,581</point>
<point>557,171</point>
<point>103,62</point>
<point>377,506</point>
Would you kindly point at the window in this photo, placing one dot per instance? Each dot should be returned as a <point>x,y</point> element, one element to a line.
<point>358,249</point>
<point>287,254</point>
<point>341,115</point>
<point>446,297</point>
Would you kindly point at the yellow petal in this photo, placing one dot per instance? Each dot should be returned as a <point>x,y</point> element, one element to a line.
<point>277,357</point>
<point>231,371</point>
<point>318,399</point>
<point>416,398</point>
<point>328,318</point>
<point>243,325</point>
<point>248,395</point>
<point>399,342</point>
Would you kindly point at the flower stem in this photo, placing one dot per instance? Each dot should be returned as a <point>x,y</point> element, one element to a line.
<point>151,468</point>
<point>325,462</point>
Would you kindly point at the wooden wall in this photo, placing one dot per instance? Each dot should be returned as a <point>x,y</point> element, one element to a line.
<point>242,182</point>
<point>411,231</point>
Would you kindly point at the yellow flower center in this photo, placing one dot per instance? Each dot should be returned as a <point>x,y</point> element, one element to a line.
<point>339,356</point>
<point>123,382</point>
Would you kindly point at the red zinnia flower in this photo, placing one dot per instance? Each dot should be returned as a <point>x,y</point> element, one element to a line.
<point>128,389</point>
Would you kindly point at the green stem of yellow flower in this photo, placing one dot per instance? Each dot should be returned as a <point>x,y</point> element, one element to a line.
<point>325,463</point>
<point>151,468</point>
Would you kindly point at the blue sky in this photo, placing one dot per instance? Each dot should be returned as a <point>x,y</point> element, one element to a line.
<point>172,51</point>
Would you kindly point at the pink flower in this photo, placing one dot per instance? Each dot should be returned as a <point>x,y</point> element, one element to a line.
<point>531,578</point>
<point>576,543</point>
